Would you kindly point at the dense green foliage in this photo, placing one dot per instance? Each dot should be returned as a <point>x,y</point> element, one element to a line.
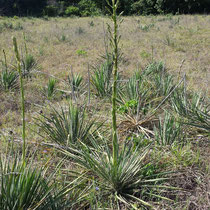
<point>97,7</point>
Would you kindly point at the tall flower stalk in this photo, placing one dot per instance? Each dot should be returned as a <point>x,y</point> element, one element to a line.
<point>114,43</point>
<point>22,96</point>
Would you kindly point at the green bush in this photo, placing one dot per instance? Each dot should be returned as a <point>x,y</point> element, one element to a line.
<point>72,10</point>
<point>88,8</point>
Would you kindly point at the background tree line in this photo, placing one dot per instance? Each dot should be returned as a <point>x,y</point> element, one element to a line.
<point>98,7</point>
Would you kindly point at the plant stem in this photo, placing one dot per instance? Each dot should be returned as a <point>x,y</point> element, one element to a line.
<point>114,90</point>
<point>22,95</point>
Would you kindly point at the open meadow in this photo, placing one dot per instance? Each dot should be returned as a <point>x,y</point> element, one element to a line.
<point>162,105</point>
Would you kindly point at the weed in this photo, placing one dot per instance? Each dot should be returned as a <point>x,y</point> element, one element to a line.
<point>144,54</point>
<point>62,38</point>
<point>81,52</point>
<point>131,178</point>
<point>26,187</point>
<point>164,83</point>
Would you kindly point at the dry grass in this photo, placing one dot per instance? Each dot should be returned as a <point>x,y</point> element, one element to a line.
<point>55,43</point>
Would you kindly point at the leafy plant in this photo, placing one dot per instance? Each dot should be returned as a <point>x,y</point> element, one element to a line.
<point>67,126</point>
<point>169,131</point>
<point>139,90</point>
<point>81,52</point>
<point>132,104</point>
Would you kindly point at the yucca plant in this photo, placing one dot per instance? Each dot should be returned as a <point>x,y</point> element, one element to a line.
<point>8,78</point>
<point>130,181</point>
<point>194,111</point>
<point>28,64</point>
<point>164,84</point>
<point>136,103</point>
<point>168,131</point>
<point>50,90</point>
<point>154,68</point>
<point>101,78</point>
<point>23,186</point>
<point>140,89</point>
<point>67,126</point>
<point>75,82</point>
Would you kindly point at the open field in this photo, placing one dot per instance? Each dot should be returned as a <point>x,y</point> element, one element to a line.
<point>62,47</point>
<point>170,39</point>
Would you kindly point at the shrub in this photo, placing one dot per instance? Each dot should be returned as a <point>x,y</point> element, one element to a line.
<point>72,10</point>
<point>88,8</point>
